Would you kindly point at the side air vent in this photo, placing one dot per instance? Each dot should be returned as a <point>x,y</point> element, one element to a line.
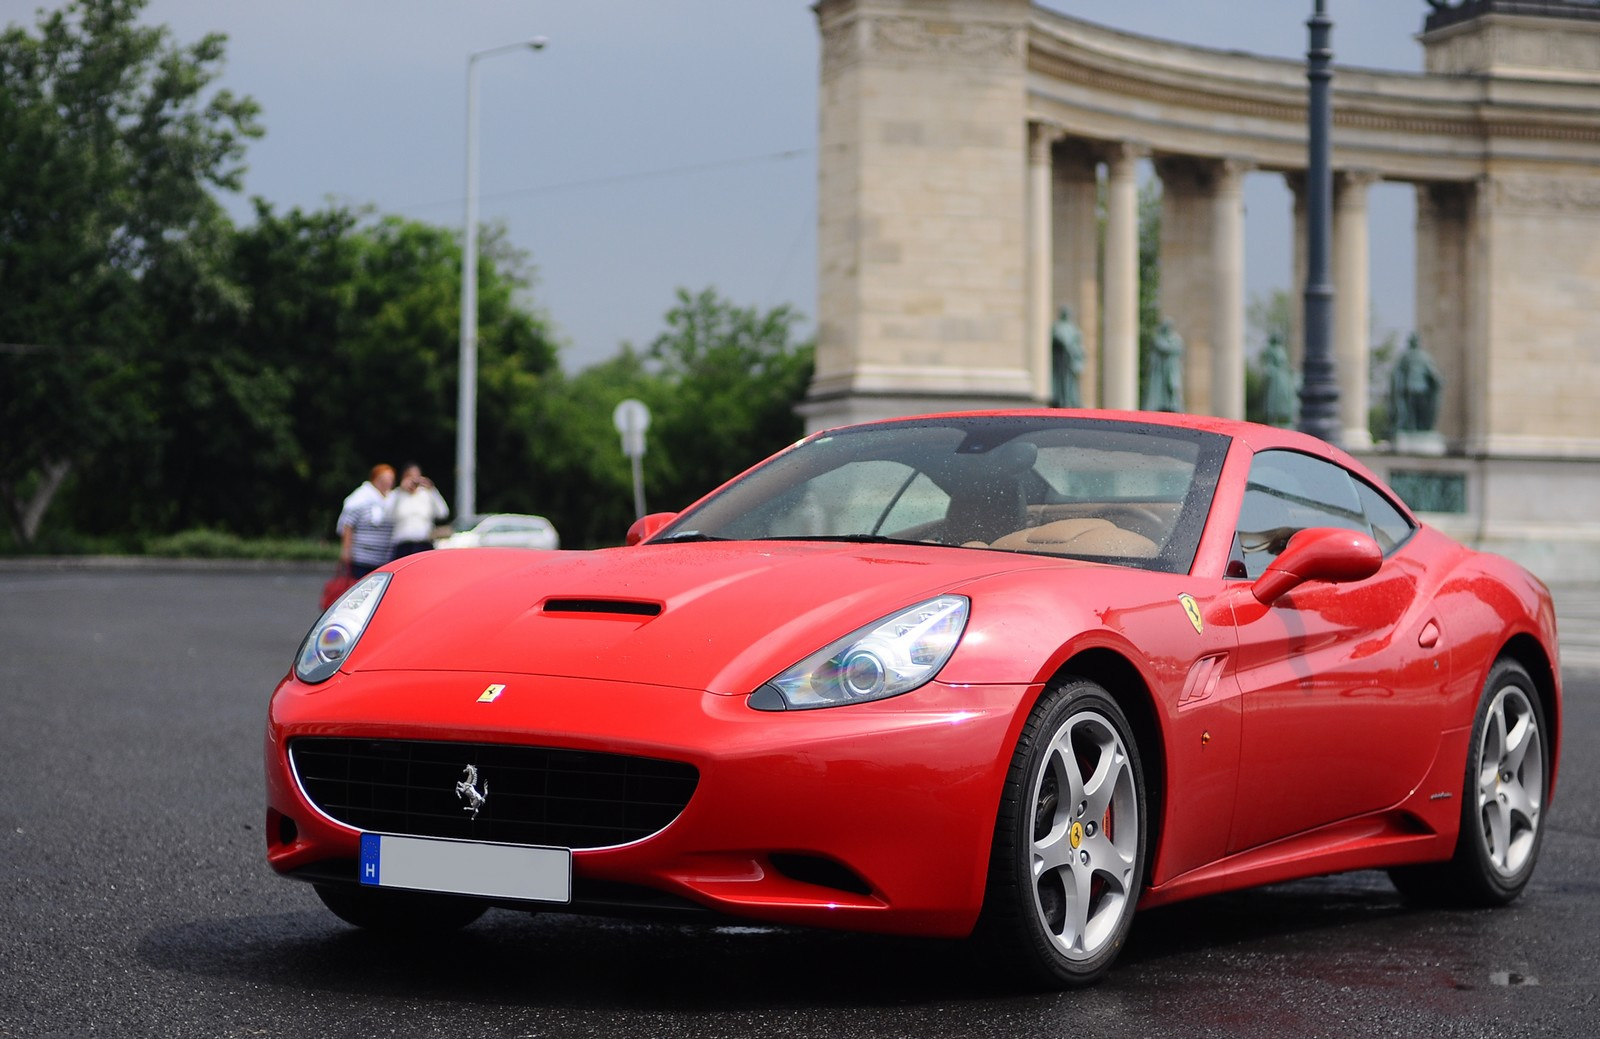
<point>613,607</point>
<point>813,869</point>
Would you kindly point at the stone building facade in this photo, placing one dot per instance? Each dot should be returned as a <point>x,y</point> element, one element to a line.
<point>962,144</point>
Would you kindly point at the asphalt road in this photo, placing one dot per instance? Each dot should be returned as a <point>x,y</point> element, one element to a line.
<point>135,901</point>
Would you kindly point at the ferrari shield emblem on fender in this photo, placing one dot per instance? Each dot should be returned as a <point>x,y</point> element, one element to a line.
<point>491,694</point>
<point>1192,608</point>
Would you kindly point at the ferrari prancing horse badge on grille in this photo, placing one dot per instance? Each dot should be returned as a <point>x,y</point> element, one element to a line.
<point>467,789</point>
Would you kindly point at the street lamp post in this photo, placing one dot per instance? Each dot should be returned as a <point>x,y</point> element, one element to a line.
<point>1319,394</point>
<point>467,394</point>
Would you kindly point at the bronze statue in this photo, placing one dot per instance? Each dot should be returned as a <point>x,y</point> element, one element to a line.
<point>1163,390</point>
<point>1066,361</point>
<point>1414,389</point>
<point>1281,396</point>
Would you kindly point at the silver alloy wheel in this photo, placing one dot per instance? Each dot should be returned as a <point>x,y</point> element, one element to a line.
<point>1085,841</point>
<point>1510,781</point>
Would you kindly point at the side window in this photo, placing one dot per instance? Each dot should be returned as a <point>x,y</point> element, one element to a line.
<point>1289,492</point>
<point>1389,525</point>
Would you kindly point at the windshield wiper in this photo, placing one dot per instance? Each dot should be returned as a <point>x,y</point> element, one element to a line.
<point>688,536</point>
<point>869,539</point>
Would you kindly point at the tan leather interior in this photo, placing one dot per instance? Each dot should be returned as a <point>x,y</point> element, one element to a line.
<point>1084,536</point>
<point>1154,520</point>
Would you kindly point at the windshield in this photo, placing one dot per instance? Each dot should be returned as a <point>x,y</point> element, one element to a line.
<point>1123,492</point>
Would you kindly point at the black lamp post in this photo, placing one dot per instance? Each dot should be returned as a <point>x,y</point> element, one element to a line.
<point>1319,392</point>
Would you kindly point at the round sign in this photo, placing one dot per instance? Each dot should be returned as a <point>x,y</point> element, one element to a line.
<point>631,418</point>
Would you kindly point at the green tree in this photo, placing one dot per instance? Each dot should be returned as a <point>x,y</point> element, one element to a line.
<point>300,351</point>
<point>722,382</point>
<point>112,143</point>
<point>517,356</point>
<point>575,472</point>
<point>162,370</point>
<point>349,355</point>
<point>729,381</point>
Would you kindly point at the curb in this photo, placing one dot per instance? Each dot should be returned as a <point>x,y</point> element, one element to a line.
<point>56,564</point>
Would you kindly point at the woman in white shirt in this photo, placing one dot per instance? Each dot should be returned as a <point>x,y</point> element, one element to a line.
<point>417,507</point>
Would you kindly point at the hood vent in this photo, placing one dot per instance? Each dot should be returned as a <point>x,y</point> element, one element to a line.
<point>608,607</point>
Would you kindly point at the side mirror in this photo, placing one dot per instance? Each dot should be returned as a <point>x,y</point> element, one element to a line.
<point>1318,554</point>
<point>646,527</point>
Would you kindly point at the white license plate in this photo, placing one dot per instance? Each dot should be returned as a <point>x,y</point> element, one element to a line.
<point>466,867</point>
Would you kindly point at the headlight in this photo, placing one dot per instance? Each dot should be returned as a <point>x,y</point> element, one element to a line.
<point>335,634</point>
<point>893,656</point>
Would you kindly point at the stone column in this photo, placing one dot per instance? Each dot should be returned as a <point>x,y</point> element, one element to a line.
<point>1446,304</point>
<point>1121,348</point>
<point>1041,298</point>
<point>1352,291</point>
<point>1075,245</point>
<point>1227,313</point>
<point>1187,297</point>
<point>922,193</point>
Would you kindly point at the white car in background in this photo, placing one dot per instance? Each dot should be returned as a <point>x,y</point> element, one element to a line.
<point>503,530</point>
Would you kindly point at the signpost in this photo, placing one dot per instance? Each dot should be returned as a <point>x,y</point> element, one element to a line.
<point>632,418</point>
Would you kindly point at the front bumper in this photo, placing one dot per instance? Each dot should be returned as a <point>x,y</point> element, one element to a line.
<point>875,817</point>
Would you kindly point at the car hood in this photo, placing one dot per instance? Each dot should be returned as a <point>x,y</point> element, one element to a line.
<point>721,617</point>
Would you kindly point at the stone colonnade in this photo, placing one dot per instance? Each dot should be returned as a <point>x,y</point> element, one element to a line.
<point>961,150</point>
<point>1202,270</point>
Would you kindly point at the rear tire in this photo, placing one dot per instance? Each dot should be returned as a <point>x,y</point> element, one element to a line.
<point>1067,865</point>
<point>1502,802</point>
<point>392,912</point>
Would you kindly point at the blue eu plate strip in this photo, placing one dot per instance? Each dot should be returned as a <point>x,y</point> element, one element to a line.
<point>371,843</point>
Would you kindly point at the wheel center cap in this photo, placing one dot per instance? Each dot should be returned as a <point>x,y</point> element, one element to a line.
<point>1075,835</point>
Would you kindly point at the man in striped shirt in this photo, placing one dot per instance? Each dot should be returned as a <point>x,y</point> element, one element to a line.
<point>366,522</point>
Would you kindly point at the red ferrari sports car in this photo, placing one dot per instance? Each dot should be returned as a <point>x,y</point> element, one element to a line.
<point>1007,674</point>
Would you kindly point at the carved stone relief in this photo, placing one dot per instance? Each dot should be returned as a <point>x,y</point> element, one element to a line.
<point>935,40</point>
<point>920,40</point>
<point>1546,194</point>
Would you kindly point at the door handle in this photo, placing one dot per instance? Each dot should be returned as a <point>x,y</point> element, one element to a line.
<point>1429,636</point>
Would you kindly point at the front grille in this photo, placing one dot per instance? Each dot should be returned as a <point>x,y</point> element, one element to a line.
<point>535,795</point>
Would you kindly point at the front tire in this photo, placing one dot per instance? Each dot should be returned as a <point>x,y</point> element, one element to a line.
<point>1502,811</point>
<point>1067,864</point>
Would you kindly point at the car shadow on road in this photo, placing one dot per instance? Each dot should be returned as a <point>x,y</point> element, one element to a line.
<point>575,962</point>
<point>1278,915</point>
<point>571,962</point>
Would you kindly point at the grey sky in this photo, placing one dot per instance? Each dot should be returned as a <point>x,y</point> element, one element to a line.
<point>654,143</point>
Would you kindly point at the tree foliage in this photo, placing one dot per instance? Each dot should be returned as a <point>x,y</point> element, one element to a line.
<point>577,475</point>
<point>721,382</point>
<point>729,380</point>
<point>344,353</point>
<point>162,370</point>
<point>109,145</point>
